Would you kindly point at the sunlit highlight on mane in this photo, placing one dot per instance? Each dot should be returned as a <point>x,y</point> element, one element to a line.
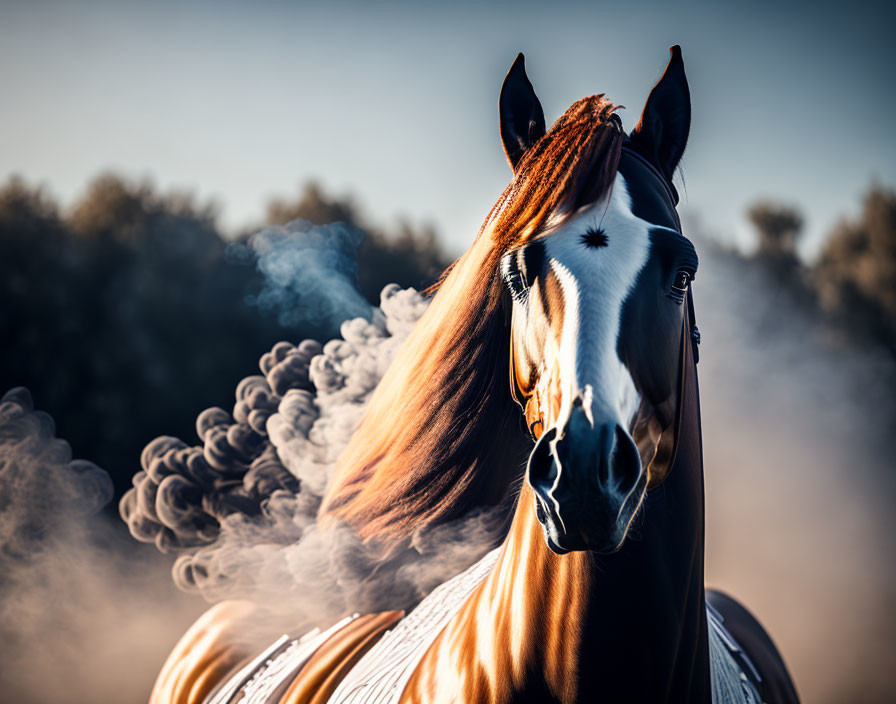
<point>441,434</point>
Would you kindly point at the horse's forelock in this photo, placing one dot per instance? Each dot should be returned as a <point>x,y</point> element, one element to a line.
<point>571,167</point>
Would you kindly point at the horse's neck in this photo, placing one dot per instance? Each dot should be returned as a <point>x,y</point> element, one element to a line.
<point>580,627</point>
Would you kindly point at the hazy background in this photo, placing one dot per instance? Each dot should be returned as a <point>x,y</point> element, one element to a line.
<point>141,145</point>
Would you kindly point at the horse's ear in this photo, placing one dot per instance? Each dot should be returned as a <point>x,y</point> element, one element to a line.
<point>662,132</point>
<point>522,119</point>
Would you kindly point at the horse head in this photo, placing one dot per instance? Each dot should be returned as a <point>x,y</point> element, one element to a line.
<point>597,322</point>
<point>576,278</point>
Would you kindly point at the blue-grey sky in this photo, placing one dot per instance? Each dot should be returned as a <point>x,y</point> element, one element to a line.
<point>397,102</point>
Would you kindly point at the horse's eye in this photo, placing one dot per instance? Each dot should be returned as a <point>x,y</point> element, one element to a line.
<point>520,267</point>
<point>516,284</point>
<point>513,277</point>
<point>680,285</point>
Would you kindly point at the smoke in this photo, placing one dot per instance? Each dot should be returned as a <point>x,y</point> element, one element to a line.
<point>86,617</point>
<point>43,492</point>
<point>310,272</point>
<point>83,616</point>
<point>240,509</point>
<point>799,479</point>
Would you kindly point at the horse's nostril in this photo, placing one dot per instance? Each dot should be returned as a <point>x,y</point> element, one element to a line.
<point>626,461</point>
<point>605,450</point>
<point>541,469</point>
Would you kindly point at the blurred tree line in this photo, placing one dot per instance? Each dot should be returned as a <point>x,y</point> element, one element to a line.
<point>125,317</point>
<point>852,283</point>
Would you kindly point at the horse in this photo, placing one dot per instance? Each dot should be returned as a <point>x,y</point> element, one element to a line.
<point>554,371</point>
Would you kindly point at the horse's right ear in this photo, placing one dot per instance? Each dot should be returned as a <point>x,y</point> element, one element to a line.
<point>522,119</point>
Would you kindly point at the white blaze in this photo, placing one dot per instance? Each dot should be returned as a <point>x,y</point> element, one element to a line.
<point>596,283</point>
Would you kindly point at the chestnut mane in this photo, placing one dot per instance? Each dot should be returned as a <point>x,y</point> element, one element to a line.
<point>441,434</point>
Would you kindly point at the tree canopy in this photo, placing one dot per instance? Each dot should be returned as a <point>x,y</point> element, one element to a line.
<point>125,316</point>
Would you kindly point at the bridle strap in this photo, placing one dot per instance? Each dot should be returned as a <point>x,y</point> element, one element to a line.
<point>690,334</point>
<point>691,327</point>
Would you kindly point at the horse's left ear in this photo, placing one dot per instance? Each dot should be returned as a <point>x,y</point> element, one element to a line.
<point>662,132</point>
<point>522,119</point>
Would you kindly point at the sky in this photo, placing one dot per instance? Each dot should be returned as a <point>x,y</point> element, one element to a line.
<point>396,103</point>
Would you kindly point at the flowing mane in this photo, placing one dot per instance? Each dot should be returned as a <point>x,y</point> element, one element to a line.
<point>441,434</point>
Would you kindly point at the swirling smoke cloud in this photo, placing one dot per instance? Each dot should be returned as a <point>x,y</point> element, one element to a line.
<point>73,589</point>
<point>310,271</point>
<point>240,508</point>
<point>44,493</point>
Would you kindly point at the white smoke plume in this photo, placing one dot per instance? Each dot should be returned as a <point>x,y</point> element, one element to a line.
<point>241,509</point>
<point>310,272</point>
<point>34,463</point>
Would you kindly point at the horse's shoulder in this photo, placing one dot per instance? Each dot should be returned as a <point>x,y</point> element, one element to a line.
<point>204,656</point>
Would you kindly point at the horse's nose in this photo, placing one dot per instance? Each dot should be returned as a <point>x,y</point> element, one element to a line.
<point>583,475</point>
<point>586,459</point>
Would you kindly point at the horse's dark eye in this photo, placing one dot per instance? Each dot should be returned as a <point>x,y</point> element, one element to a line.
<point>516,284</point>
<point>520,268</point>
<point>680,285</point>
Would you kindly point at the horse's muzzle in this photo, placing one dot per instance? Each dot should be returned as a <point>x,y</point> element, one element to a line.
<point>587,482</point>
